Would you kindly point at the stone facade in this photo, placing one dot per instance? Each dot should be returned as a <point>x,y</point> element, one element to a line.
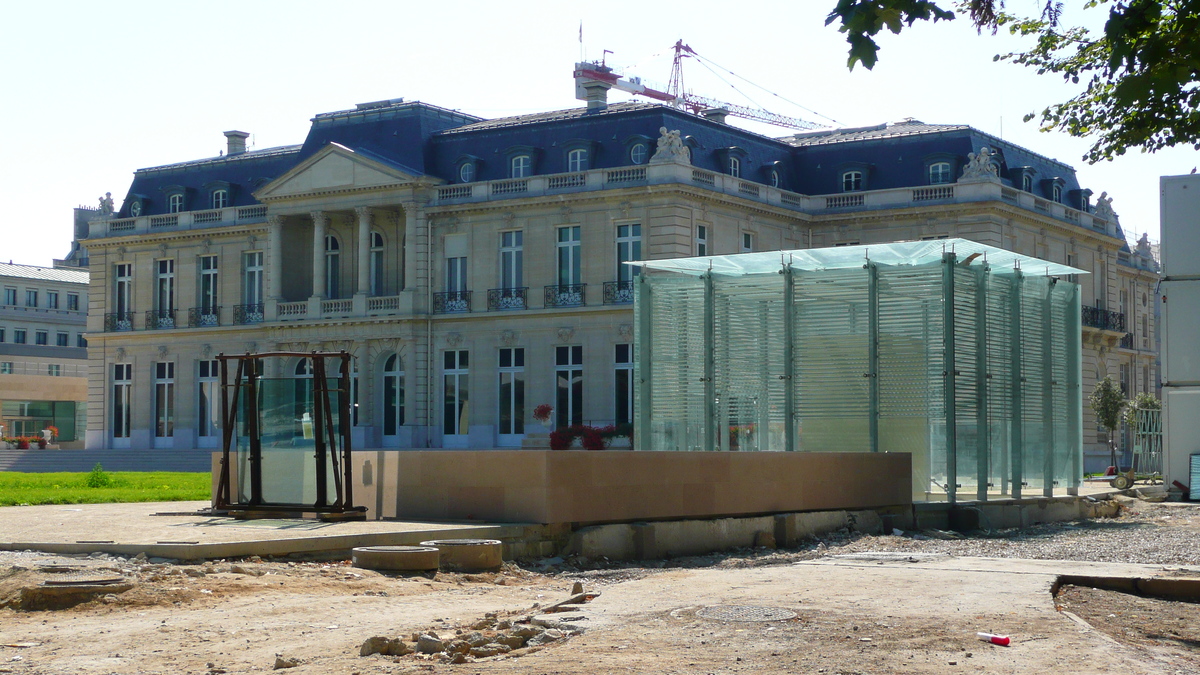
<point>348,249</point>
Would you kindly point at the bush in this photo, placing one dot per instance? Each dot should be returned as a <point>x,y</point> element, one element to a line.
<point>98,478</point>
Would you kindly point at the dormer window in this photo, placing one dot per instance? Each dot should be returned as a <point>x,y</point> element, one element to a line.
<point>135,208</point>
<point>220,199</point>
<point>466,173</point>
<point>637,153</point>
<point>735,167</point>
<point>577,160</point>
<point>852,181</point>
<point>175,203</point>
<point>774,178</point>
<point>939,172</point>
<point>1027,183</point>
<point>521,166</point>
<point>1056,193</point>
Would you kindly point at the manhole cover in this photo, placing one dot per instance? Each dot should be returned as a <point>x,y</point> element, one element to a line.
<point>745,613</point>
<point>83,579</point>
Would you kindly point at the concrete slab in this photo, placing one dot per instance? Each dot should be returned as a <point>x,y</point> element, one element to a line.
<point>164,529</point>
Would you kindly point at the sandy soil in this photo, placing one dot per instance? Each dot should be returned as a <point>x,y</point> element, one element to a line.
<point>911,613</point>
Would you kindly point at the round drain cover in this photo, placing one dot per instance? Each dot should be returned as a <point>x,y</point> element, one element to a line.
<point>745,613</point>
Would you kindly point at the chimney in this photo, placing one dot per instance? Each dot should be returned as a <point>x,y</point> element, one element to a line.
<point>717,115</point>
<point>237,142</point>
<point>597,95</point>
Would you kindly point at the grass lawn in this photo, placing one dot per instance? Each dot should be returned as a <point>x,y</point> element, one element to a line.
<point>109,486</point>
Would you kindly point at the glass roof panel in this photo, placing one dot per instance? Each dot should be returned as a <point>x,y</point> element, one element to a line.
<point>845,257</point>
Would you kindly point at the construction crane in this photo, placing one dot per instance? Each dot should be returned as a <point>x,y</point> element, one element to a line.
<point>586,72</point>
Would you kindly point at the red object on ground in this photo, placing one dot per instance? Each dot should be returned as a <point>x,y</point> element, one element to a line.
<point>1001,640</point>
<point>1112,471</point>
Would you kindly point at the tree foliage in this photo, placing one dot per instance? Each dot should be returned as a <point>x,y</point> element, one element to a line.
<point>1140,76</point>
<point>1143,401</point>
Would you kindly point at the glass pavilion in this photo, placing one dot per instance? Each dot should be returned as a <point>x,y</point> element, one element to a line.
<point>965,355</point>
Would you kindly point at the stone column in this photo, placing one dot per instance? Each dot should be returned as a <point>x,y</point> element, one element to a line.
<point>416,245</point>
<point>364,250</point>
<point>320,223</point>
<point>274,269</point>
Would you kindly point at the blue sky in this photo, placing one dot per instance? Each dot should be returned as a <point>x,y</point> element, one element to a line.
<point>97,90</point>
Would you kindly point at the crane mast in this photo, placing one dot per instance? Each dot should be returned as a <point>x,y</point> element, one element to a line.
<point>675,95</point>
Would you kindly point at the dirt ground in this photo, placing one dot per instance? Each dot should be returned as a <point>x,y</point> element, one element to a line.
<point>848,604</point>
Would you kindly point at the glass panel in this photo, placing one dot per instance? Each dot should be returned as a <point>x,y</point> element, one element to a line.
<point>287,433</point>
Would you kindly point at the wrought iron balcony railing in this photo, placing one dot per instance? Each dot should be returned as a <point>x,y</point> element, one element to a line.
<point>451,302</point>
<point>201,317</point>
<point>566,295</point>
<point>118,321</point>
<point>1098,317</point>
<point>160,318</point>
<point>1127,341</point>
<point>618,292</point>
<point>243,314</point>
<point>499,299</point>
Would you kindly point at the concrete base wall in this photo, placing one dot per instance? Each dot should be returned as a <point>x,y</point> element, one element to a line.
<point>539,486</point>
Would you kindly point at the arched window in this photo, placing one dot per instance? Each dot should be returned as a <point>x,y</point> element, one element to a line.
<point>735,167</point>
<point>393,395</point>
<point>521,166</point>
<point>577,160</point>
<point>1056,193</point>
<point>333,270</point>
<point>466,173</point>
<point>774,178</point>
<point>376,263</point>
<point>939,172</point>
<point>220,199</point>
<point>637,154</point>
<point>1027,183</point>
<point>852,181</point>
<point>175,203</point>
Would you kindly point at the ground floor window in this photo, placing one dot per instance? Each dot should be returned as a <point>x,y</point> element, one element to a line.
<point>624,384</point>
<point>29,418</point>
<point>512,391</point>
<point>164,399</point>
<point>393,395</point>
<point>122,402</point>
<point>455,392</point>
<point>207,399</point>
<point>568,375</point>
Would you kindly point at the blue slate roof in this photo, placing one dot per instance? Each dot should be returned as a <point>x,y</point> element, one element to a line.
<point>426,140</point>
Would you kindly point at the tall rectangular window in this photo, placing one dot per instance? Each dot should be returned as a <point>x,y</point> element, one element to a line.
<point>252,283</point>
<point>456,274</point>
<point>122,401</point>
<point>63,339</point>
<point>207,399</point>
<point>393,395</point>
<point>747,242</point>
<point>2,336</point>
<point>568,375</point>
<point>164,399</point>
<point>569,264</point>
<point>10,296</point>
<point>377,269</point>
<point>80,341</point>
<point>455,392</point>
<point>123,289</point>
<point>73,302</point>
<point>31,298</point>
<point>701,240</point>
<point>624,384</point>
<point>512,253</point>
<point>209,295</point>
<point>164,286</point>
<point>41,337</point>
<point>52,299</point>
<point>19,336</point>
<point>629,248</point>
<point>512,391</point>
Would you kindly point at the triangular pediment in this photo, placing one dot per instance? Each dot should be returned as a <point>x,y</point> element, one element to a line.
<point>334,168</point>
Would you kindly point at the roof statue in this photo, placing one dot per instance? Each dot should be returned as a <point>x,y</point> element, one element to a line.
<point>979,165</point>
<point>1104,209</point>
<point>671,148</point>
<point>106,205</point>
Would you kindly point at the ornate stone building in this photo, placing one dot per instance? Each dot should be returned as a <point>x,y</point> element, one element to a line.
<point>474,267</point>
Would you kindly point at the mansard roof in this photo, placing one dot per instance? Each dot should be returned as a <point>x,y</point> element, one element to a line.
<point>36,273</point>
